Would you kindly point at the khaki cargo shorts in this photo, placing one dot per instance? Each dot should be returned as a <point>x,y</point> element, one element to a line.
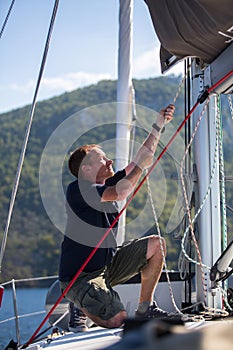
<point>93,291</point>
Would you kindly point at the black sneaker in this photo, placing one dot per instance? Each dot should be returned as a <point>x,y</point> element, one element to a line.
<point>78,320</point>
<point>155,312</point>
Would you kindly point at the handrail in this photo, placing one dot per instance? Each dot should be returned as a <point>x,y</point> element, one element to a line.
<point>16,317</point>
<point>29,279</point>
<point>22,316</point>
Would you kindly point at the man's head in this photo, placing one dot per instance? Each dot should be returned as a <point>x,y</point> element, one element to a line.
<point>89,162</point>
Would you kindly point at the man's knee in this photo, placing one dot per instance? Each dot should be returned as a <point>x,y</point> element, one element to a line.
<point>114,322</point>
<point>117,320</point>
<point>156,245</point>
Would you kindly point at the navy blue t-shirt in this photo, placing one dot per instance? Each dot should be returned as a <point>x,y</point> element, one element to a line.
<point>87,221</point>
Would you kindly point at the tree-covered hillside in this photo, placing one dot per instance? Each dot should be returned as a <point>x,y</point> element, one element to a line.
<point>33,244</point>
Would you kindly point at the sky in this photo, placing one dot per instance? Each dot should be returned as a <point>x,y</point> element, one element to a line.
<point>83,48</point>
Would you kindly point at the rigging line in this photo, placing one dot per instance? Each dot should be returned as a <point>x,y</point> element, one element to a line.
<point>218,137</point>
<point>182,82</point>
<point>134,118</point>
<point>92,253</point>
<point>151,198</point>
<point>190,226</point>
<point>29,279</point>
<point>222,174</point>
<point>183,266</point>
<point>7,17</point>
<point>188,64</point>
<point>23,316</point>
<point>133,130</point>
<point>160,144</point>
<point>224,293</point>
<point>161,245</point>
<point>222,186</point>
<point>26,137</point>
<point>204,95</point>
<point>230,105</point>
<point>203,202</point>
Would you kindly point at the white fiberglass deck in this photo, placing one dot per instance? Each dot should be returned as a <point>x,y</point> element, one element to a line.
<point>95,338</point>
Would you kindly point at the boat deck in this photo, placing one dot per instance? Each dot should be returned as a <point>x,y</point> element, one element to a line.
<point>97,338</point>
<point>94,339</point>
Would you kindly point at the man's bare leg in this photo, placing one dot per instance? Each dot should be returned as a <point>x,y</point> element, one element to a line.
<point>149,278</point>
<point>151,273</point>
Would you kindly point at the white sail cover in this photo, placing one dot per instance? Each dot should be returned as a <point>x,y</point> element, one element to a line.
<point>197,28</point>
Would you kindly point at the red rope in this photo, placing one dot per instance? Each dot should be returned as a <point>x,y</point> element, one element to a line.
<point>122,210</point>
<point>220,81</point>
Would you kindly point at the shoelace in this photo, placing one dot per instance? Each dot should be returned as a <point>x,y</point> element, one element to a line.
<point>156,309</point>
<point>78,316</point>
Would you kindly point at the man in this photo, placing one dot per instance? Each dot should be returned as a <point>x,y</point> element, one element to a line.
<point>91,209</point>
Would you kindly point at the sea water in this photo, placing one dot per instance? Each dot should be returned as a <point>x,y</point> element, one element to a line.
<point>29,301</point>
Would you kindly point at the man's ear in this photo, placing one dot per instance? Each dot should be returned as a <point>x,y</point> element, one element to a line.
<point>86,168</point>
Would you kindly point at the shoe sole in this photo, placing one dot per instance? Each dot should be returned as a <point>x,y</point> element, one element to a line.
<point>78,329</point>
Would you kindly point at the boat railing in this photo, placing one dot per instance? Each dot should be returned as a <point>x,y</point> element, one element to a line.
<point>12,283</point>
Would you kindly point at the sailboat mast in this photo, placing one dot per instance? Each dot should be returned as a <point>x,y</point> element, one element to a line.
<point>206,158</point>
<point>124,93</point>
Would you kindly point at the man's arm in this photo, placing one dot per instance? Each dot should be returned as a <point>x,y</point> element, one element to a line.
<point>152,140</point>
<point>142,160</point>
<point>125,186</point>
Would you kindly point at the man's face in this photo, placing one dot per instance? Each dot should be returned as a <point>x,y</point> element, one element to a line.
<point>101,166</point>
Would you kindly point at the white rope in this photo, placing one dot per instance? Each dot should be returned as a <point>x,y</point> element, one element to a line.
<point>224,293</point>
<point>183,263</point>
<point>206,195</point>
<point>208,313</point>
<point>222,186</point>
<point>209,187</point>
<point>212,312</point>
<point>182,82</point>
<point>161,245</point>
<point>230,104</point>
<point>133,123</point>
<point>155,215</point>
<point>190,226</point>
<point>156,219</point>
<point>153,207</point>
